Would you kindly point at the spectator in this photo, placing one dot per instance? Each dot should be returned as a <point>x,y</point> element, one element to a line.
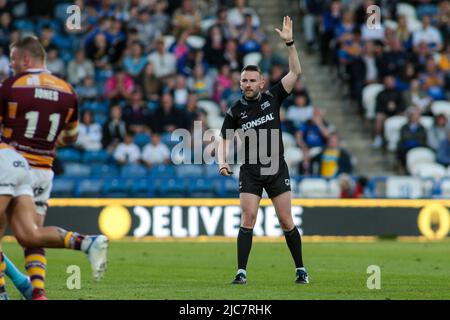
<point>4,65</point>
<point>119,86</point>
<point>227,29</point>
<point>117,41</point>
<point>233,93</point>
<point>389,102</point>
<point>148,31</point>
<point>160,18</point>
<point>165,63</point>
<point>313,133</point>
<point>443,152</point>
<point>300,111</point>
<point>231,55</point>
<point>351,188</point>
<point>134,62</point>
<point>87,91</point>
<point>180,92</point>
<point>223,82</point>
<point>180,47</point>
<point>135,114</point>
<point>79,68</point>
<point>55,64</point>
<point>155,152</point>
<point>403,33</point>
<point>166,118</point>
<point>269,58</point>
<point>250,37</point>
<point>428,34</point>
<point>127,151</point>
<point>6,28</point>
<point>412,135</point>
<point>192,109</point>
<point>236,15</point>
<point>333,160</point>
<point>114,130</point>
<point>186,18</point>
<point>90,133</point>
<point>151,86</point>
<point>417,96</point>
<point>438,131</point>
<point>444,66</point>
<point>200,83</point>
<point>98,50</point>
<point>214,47</point>
<point>433,80</point>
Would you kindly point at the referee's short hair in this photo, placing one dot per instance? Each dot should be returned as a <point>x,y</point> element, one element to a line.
<point>252,67</point>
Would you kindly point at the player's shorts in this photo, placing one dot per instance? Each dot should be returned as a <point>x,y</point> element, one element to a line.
<point>15,179</point>
<point>251,180</point>
<point>41,181</point>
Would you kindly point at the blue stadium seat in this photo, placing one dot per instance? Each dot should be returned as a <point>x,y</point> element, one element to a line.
<point>133,170</point>
<point>189,170</point>
<point>231,188</point>
<point>100,118</point>
<point>139,188</point>
<point>202,187</point>
<point>24,25</point>
<point>105,170</point>
<point>63,187</point>
<point>69,155</point>
<point>100,156</point>
<point>90,188</point>
<point>211,170</point>
<point>116,187</point>
<point>163,170</point>
<point>77,170</point>
<point>172,187</point>
<point>141,139</point>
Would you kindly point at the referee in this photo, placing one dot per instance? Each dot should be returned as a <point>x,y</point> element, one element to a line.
<point>258,110</point>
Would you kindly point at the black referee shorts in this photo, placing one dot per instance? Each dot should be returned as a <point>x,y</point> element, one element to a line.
<point>251,180</point>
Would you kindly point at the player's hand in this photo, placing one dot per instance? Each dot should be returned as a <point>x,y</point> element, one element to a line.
<point>225,170</point>
<point>286,32</point>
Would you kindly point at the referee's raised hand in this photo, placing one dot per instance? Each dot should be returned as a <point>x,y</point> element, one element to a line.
<point>286,32</point>
<point>225,170</point>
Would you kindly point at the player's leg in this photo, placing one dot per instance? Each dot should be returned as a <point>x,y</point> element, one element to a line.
<point>4,201</point>
<point>282,205</point>
<point>249,206</point>
<point>20,218</point>
<point>20,281</point>
<point>35,259</point>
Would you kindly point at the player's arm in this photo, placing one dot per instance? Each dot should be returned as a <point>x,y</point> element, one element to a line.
<point>225,139</point>
<point>295,69</point>
<point>68,135</point>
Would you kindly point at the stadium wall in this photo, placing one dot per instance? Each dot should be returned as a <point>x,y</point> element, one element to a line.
<point>119,218</point>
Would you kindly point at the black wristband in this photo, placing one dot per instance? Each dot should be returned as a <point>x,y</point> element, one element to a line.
<point>288,44</point>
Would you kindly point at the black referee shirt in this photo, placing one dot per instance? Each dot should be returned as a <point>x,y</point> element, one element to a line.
<point>263,113</point>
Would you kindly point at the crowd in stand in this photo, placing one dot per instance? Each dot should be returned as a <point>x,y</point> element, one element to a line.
<point>408,51</point>
<point>139,72</point>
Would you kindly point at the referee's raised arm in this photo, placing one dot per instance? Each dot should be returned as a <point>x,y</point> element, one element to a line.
<point>295,69</point>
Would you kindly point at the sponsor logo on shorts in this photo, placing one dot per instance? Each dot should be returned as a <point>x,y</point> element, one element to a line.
<point>38,191</point>
<point>19,164</point>
<point>287,182</point>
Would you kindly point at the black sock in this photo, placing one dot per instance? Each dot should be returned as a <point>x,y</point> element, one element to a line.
<point>244,245</point>
<point>294,243</point>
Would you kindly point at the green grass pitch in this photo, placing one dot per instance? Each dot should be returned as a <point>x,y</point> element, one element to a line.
<point>197,270</point>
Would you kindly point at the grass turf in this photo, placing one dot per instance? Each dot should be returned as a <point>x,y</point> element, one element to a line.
<point>193,270</point>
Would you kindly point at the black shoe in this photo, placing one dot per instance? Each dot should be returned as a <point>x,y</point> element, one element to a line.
<point>240,279</point>
<point>302,277</point>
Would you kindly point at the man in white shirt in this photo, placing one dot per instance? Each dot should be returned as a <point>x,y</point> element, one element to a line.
<point>165,63</point>
<point>127,151</point>
<point>155,152</point>
<point>428,34</point>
